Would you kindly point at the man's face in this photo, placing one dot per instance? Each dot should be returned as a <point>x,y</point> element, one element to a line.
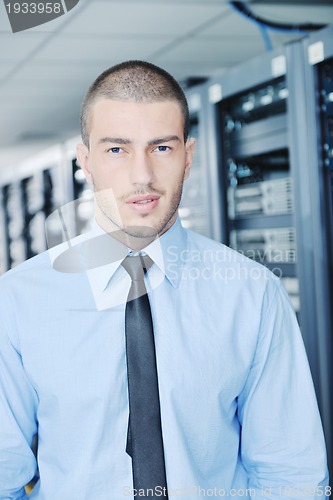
<point>137,162</point>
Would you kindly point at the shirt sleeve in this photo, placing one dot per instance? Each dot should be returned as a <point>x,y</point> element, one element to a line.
<point>18,402</point>
<point>282,443</point>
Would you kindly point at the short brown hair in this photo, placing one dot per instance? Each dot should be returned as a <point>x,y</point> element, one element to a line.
<point>137,81</point>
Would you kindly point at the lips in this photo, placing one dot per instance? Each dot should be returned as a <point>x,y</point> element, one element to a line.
<point>144,203</point>
<point>141,200</point>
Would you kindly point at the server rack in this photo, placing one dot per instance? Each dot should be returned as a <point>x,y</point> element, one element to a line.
<point>195,209</point>
<point>311,130</point>
<point>14,224</point>
<point>83,206</point>
<point>254,185</point>
<point>26,200</point>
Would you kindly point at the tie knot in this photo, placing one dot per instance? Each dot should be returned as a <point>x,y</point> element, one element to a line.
<point>136,266</point>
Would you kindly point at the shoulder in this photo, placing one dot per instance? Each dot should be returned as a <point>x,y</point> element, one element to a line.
<point>224,268</point>
<point>45,265</point>
<point>37,279</point>
<point>211,251</point>
<point>24,284</point>
<point>29,267</point>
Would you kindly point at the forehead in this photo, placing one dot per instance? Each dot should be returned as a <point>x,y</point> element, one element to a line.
<point>123,114</point>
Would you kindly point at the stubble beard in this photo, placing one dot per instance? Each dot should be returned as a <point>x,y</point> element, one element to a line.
<point>139,231</point>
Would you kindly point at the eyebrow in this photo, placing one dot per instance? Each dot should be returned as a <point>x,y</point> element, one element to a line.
<point>116,140</point>
<point>161,140</point>
<point>153,142</point>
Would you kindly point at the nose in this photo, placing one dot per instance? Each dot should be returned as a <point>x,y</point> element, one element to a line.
<point>141,169</point>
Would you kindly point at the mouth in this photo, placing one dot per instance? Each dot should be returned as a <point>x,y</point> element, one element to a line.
<point>145,203</point>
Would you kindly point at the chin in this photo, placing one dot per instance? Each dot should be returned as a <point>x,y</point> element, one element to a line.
<point>140,231</point>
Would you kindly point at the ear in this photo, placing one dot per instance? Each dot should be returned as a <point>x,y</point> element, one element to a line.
<point>82,153</point>
<point>189,152</point>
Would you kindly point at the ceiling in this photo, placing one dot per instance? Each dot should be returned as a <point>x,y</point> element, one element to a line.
<point>45,71</point>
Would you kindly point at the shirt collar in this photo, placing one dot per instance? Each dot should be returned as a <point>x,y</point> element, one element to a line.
<point>101,275</point>
<point>167,252</point>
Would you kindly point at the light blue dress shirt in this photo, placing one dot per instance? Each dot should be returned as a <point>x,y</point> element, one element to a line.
<point>239,414</point>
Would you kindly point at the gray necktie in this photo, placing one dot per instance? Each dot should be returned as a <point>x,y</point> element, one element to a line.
<point>144,439</point>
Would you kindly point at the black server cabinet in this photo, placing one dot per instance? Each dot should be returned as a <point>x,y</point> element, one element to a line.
<point>25,205</point>
<point>248,110</point>
<point>13,206</point>
<point>311,130</point>
<point>83,206</point>
<point>33,202</point>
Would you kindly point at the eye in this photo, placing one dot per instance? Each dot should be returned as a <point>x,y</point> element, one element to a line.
<point>114,150</point>
<point>162,149</point>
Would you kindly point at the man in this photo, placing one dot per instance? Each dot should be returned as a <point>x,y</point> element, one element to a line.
<point>234,407</point>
